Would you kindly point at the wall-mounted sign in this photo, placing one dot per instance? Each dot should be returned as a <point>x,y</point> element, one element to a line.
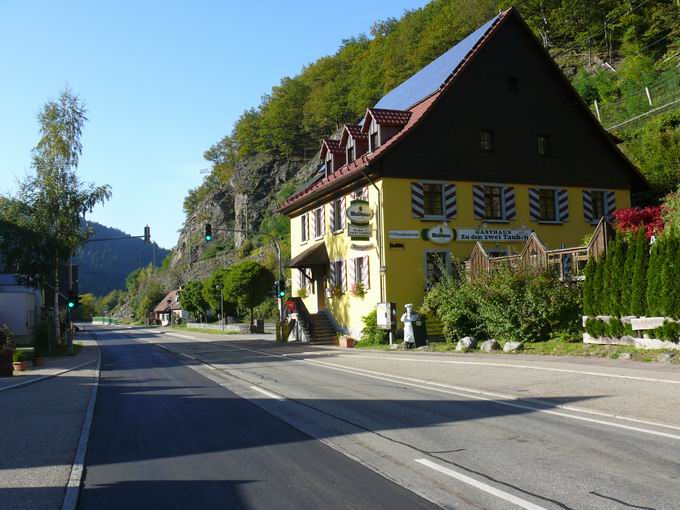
<point>501,235</point>
<point>403,234</point>
<point>359,233</point>
<point>362,247</point>
<point>359,213</point>
<point>440,234</point>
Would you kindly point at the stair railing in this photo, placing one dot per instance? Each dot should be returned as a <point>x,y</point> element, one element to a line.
<point>304,317</point>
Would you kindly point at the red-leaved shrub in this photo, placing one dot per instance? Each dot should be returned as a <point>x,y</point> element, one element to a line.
<point>631,219</point>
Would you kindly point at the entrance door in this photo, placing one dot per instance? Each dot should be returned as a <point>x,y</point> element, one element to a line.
<point>320,279</point>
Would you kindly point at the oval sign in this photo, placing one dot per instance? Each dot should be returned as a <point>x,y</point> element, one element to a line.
<point>441,234</point>
<point>359,213</point>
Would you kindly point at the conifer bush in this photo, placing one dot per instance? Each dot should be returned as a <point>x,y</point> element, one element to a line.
<point>639,275</point>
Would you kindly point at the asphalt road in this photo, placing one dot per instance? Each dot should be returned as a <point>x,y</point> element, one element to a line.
<point>164,437</point>
<point>175,426</point>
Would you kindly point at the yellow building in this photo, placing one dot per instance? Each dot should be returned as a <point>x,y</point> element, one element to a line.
<point>487,143</point>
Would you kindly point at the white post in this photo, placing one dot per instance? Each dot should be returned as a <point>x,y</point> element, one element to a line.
<point>649,97</point>
<point>597,110</point>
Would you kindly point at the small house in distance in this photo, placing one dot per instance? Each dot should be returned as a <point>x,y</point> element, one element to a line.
<point>488,143</point>
<point>169,310</point>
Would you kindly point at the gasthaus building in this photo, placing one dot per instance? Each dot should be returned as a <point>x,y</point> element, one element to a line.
<point>488,143</point>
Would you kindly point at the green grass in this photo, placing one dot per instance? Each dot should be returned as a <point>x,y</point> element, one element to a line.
<point>376,347</point>
<point>183,327</point>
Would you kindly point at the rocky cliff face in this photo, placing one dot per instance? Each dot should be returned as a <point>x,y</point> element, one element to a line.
<point>241,204</point>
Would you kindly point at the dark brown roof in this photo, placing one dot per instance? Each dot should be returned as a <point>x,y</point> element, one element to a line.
<point>333,146</point>
<point>386,117</point>
<point>168,303</point>
<point>315,256</point>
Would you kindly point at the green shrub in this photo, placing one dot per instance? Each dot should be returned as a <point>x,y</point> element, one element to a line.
<point>615,328</point>
<point>508,304</point>
<point>669,331</point>
<point>18,356</point>
<point>371,334</point>
<point>41,335</point>
<point>596,327</point>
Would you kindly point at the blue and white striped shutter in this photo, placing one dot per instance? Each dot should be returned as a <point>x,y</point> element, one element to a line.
<point>534,205</point>
<point>366,275</point>
<point>331,274</point>
<point>509,199</point>
<point>562,205</point>
<point>587,207</point>
<point>478,201</point>
<point>343,275</point>
<point>417,201</point>
<point>611,205</point>
<point>323,221</point>
<point>312,225</point>
<point>352,270</point>
<point>333,226</point>
<point>450,205</point>
<point>342,212</point>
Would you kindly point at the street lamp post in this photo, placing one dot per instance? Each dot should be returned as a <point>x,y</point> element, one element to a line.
<point>219,287</point>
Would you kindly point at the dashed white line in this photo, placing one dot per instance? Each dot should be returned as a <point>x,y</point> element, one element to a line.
<point>268,393</point>
<point>522,503</point>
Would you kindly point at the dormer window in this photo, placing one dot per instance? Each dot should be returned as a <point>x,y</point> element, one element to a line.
<point>329,167</point>
<point>350,154</point>
<point>373,142</point>
<point>486,140</point>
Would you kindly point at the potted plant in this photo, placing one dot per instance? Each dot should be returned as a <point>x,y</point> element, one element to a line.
<point>19,361</point>
<point>37,357</point>
<point>7,347</point>
<point>358,289</point>
<point>346,341</point>
<point>302,293</point>
<point>335,292</point>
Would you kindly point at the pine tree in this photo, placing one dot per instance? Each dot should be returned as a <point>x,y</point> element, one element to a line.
<point>668,277</point>
<point>673,281</point>
<point>654,277</point>
<point>639,281</point>
<point>627,276</point>
<point>598,287</point>
<point>589,288</point>
<point>618,258</point>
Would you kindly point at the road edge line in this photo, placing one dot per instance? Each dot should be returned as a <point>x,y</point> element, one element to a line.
<point>72,493</point>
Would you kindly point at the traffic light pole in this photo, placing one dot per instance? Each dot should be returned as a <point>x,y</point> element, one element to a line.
<point>278,260</point>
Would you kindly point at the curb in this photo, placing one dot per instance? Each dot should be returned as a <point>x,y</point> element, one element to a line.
<point>72,493</point>
<point>49,376</point>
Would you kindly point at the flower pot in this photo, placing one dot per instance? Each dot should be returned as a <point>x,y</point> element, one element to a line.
<point>37,362</point>
<point>20,366</point>
<point>346,342</point>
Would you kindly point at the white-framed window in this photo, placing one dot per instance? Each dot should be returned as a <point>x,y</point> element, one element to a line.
<point>318,219</point>
<point>494,203</point>
<point>304,228</point>
<point>547,204</point>
<point>337,212</point>
<point>358,269</point>
<point>350,154</point>
<point>360,194</point>
<point>433,200</point>
<point>598,199</point>
<point>486,140</point>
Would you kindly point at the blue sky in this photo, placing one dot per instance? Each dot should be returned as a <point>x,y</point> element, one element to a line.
<point>162,80</point>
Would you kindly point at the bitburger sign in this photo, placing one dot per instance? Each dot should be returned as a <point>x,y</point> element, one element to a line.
<point>441,234</point>
<point>359,213</point>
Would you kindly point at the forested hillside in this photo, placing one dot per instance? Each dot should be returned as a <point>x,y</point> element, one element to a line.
<point>104,265</point>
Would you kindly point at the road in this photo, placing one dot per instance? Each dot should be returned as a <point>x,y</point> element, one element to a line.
<point>189,421</point>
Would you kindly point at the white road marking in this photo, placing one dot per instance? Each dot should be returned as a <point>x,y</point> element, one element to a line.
<point>190,357</point>
<point>524,367</point>
<point>180,336</point>
<point>70,501</point>
<point>48,376</point>
<point>522,503</point>
<point>268,393</point>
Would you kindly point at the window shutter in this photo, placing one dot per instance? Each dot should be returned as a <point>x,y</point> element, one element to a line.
<point>417,201</point>
<point>450,206</point>
<point>587,207</point>
<point>562,205</point>
<point>343,275</point>
<point>352,270</point>
<point>509,199</point>
<point>611,205</point>
<point>366,275</point>
<point>331,274</point>
<point>343,210</point>
<point>478,201</point>
<point>534,205</point>
<point>323,221</point>
<point>300,279</point>
<point>333,226</point>
<point>364,193</point>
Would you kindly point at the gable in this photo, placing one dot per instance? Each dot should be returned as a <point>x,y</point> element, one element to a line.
<point>447,141</point>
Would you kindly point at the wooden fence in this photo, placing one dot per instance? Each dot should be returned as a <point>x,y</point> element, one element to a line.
<point>568,262</point>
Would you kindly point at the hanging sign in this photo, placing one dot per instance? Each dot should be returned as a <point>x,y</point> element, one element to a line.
<point>403,234</point>
<point>359,233</point>
<point>503,235</point>
<point>359,213</point>
<point>441,234</point>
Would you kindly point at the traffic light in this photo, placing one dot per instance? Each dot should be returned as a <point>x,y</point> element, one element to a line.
<point>73,300</point>
<point>147,234</point>
<point>208,232</point>
<point>280,289</point>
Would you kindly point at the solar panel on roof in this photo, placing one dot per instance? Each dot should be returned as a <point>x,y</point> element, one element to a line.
<point>428,80</point>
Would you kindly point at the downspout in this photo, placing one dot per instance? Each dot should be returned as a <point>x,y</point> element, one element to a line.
<point>378,219</point>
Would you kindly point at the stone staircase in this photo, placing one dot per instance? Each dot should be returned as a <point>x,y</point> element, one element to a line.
<point>323,329</point>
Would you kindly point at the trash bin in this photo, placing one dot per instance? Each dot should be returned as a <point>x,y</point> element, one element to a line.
<point>419,332</point>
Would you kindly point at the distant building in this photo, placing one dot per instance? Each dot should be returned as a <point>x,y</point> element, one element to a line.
<point>19,307</point>
<point>170,306</point>
<point>488,143</point>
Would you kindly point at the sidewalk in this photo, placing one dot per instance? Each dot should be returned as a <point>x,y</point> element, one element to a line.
<point>54,366</point>
<point>41,427</point>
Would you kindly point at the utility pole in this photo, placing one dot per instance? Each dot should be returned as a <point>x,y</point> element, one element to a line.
<point>219,287</point>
